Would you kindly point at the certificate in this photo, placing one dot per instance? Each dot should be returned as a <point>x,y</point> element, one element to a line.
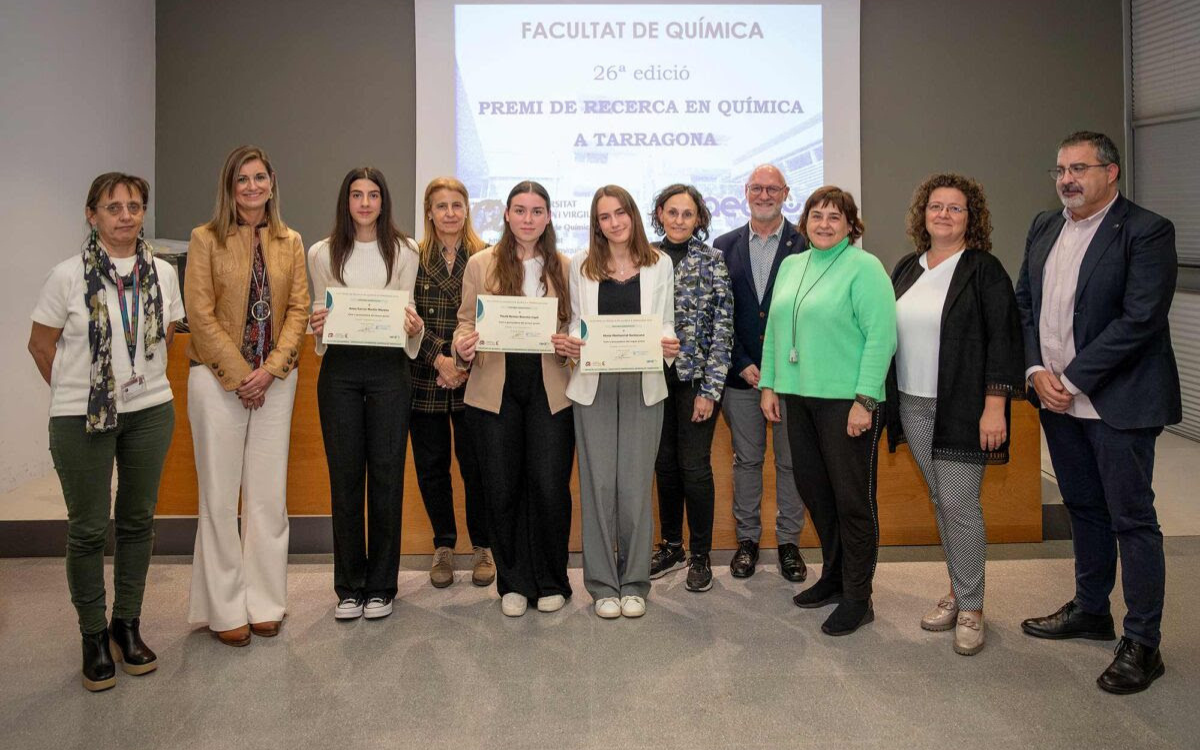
<point>621,343</point>
<point>515,324</point>
<point>365,317</point>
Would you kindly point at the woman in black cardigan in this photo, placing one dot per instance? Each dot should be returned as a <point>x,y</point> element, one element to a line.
<point>958,363</point>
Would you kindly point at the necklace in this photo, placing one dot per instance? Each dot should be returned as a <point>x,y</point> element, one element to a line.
<point>793,355</point>
<point>260,310</point>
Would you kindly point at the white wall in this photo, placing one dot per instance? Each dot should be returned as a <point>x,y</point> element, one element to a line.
<point>76,100</point>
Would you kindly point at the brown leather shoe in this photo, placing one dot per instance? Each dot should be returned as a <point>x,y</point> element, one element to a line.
<point>268,629</point>
<point>483,568</point>
<point>441,573</point>
<point>236,637</point>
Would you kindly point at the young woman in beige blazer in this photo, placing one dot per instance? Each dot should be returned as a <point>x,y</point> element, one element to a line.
<point>518,411</point>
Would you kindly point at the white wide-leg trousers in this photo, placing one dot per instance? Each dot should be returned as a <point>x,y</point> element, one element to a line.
<point>240,579</point>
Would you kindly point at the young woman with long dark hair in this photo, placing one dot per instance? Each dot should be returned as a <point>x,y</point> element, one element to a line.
<point>363,396</point>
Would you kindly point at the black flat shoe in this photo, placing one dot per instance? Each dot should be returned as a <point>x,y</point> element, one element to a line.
<point>791,563</point>
<point>1134,668</point>
<point>849,616</point>
<point>99,672</point>
<point>1071,622</point>
<point>744,560</point>
<point>822,593</point>
<point>129,648</point>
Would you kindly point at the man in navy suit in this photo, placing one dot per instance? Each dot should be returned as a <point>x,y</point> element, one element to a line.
<point>1094,292</point>
<point>753,254</point>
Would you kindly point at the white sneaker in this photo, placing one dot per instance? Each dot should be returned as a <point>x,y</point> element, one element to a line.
<point>608,608</point>
<point>551,603</point>
<point>513,604</point>
<point>349,608</point>
<point>377,607</point>
<point>633,606</point>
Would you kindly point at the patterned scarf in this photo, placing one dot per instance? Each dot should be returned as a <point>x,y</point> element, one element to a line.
<point>101,411</point>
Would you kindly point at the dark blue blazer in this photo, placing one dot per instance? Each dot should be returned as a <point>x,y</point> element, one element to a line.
<point>1123,361</point>
<point>749,312</point>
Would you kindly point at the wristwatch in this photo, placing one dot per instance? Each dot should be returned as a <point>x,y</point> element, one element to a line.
<point>867,402</point>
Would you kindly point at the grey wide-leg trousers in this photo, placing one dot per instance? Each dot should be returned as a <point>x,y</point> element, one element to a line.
<point>617,440</point>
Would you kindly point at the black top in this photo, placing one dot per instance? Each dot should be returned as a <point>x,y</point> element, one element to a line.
<point>675,252</point>
<point>620,297</point>
<point>980,355</point>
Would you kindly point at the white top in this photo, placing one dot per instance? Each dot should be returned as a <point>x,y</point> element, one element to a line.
<point>61,305</point>
<point>365,269</point>
<point>531,284</point>
<point>919,328</point>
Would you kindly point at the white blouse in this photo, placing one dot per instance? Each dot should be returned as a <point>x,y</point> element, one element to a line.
<point>365,269</point>
<point>919,328</point>
<point>61,305</point>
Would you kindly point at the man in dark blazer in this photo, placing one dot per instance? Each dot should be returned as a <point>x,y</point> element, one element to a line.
<point>753,254</point>
<point>1094,292</point>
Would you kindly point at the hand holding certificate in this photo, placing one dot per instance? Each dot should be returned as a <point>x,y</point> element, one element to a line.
<point>621,343</point>
<point>365,317</point>
<point>515,324</point>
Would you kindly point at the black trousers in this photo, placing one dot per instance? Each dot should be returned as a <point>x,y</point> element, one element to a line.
<point>684,468</point>
<point>1104,475</point>
<point>431,444</point>
<point>363,396</point>
<point>836,476</point>
<point>526,454</point>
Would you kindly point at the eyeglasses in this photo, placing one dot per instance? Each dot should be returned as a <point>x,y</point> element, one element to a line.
<point>1076,170</point>
<point>937,208</point>
<point>114,209</point>
<point>771,190</point>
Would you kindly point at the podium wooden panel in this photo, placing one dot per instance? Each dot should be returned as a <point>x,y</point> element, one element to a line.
<point>1011,493</point>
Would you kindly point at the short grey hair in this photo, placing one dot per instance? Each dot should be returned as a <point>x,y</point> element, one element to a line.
<point>1106,150</point>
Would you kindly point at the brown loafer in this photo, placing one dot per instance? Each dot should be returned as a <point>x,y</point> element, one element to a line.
<point>268,629</point>
<point>236,637</point>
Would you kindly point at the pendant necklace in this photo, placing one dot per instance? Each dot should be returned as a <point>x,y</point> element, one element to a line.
<point>261,309</point>
<point>794,355</point>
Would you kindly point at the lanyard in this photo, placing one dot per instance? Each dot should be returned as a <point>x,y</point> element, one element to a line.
<point>129,322</point>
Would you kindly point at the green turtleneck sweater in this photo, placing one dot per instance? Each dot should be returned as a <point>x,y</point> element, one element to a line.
<point>844,330</point>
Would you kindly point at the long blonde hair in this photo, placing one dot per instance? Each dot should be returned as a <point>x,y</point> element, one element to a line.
<point>470,239</point>
<point>225,215</point>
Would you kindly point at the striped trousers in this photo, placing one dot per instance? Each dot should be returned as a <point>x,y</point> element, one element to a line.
<point>954,490</point>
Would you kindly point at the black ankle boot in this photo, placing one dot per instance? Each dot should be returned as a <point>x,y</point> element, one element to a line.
<point>849,616</point>
<point>99,672</point>
<point>128,647</point>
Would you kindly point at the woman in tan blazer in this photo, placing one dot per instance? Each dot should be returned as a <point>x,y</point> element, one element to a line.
<point>246,295</point>
<point>518,411</point>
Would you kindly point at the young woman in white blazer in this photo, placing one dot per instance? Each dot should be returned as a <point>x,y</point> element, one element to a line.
<point>618,416</point>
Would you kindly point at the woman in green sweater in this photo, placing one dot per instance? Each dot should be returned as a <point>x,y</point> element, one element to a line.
<point>831,333</point>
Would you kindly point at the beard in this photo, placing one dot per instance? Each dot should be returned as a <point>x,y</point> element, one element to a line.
<point>1071,200</point>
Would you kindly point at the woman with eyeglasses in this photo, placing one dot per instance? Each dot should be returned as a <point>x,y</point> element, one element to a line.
<point>101,328</point>
<point>364,395</point>
<point>695,383</point>
<point>831,333</point>
<point>959,362</point>
<point>246,292</point>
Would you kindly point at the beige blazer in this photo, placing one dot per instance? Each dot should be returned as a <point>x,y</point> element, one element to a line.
<point>485,387</point>
<point>657,285</point>
<point>216,292</point>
